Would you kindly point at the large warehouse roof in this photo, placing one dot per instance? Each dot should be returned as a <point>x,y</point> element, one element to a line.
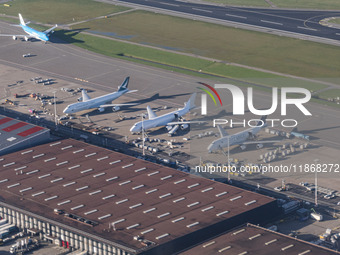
<point>132,196</point>
<point>14,132</point>
<point>251,239</point>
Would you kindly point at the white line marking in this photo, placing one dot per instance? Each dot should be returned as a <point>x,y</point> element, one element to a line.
<point>308,28</point>
<point>236,16</point>
<point>170,4</point>
<point>201,10</point>
<point>271,22</point>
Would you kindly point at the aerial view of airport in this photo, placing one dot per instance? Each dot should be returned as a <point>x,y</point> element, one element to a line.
<point>170,127</point>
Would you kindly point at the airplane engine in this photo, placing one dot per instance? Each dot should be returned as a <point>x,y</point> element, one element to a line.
<point>101,109</point>
<point>259,146</point>
<point>14,37</point>
<point>115,108</point>
<point>184,126</point>
<point>243,147</point>
<point>168,127</point>
<point>173,130</point>
<point>79,99</point>
<point>26,38</point>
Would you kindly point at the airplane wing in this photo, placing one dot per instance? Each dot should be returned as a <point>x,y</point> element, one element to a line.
<point>183,122</point>
<point>132,91</point>
<point>111,105</point>
<point>28,36</point>
<point>151,113</point>
<point>256,142</point>
<point>50,30</point>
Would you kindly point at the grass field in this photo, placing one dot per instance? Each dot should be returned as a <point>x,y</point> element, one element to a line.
<point>257,3</point>
<point>59,11</point>
<point>336,21</point>
<point>313,4</point>
<point>281,54</point>
<point>180,63</point>
<point>331,93</point>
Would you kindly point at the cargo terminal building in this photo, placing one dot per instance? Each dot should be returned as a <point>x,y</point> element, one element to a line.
<point>17,135</point>
<point>251,239</point>
<point>104,202</point>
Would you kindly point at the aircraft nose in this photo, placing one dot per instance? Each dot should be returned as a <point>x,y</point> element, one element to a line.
<point>133,129</point>
<point>211,147</point>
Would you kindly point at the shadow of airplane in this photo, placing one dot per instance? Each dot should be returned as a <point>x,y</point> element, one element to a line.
<point>64,36</point>
<point>312,131</point>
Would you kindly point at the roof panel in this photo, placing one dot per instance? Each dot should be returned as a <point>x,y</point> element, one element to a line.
<point>110,187</point>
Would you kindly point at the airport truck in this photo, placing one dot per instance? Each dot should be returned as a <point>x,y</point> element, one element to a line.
<point>24,246</point>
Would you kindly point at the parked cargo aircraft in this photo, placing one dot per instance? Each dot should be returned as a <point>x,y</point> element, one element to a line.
<point>100,102</point>
<point>239,138</point>
<point>166,119</point>
<point>32,33</point>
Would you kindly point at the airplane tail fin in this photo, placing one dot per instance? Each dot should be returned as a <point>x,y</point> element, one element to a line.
<point>151,113</point>
<point>222,131</point>
<point>84,95</point>
<point>263,121</point>
<point>191,102</point>
<point>124,85</point>
<point>22,22</point>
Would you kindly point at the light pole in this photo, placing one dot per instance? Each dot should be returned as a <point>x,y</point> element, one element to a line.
<point>228,162</point>
<point>143,134</point>
<point>55,110</point>
<point>316,182</point>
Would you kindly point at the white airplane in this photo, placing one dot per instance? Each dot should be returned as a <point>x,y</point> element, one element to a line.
<point>239,138</point>
<point>166,119</point>
<point>32,33</point>
<point>100,102</point>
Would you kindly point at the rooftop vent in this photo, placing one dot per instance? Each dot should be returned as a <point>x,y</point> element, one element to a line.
<point>224,249</point>
<point>208,244</point>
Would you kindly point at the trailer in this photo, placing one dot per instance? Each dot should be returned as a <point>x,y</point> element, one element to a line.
<point>316,216</point>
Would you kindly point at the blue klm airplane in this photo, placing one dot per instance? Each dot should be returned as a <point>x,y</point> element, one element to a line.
<point>32,33</point>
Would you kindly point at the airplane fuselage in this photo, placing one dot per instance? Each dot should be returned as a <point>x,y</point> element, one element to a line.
<point>158,121</point>
<point>93,103</point>
<point>235,139</point>
<point>34,33</point>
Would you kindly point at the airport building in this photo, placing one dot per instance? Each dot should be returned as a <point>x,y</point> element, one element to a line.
<point>251,239</point>
<point>99,201</point>
<point>17,135</point>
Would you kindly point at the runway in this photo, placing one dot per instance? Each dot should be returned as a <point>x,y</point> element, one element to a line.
<point>300,22</point>
<point>67,62</point>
